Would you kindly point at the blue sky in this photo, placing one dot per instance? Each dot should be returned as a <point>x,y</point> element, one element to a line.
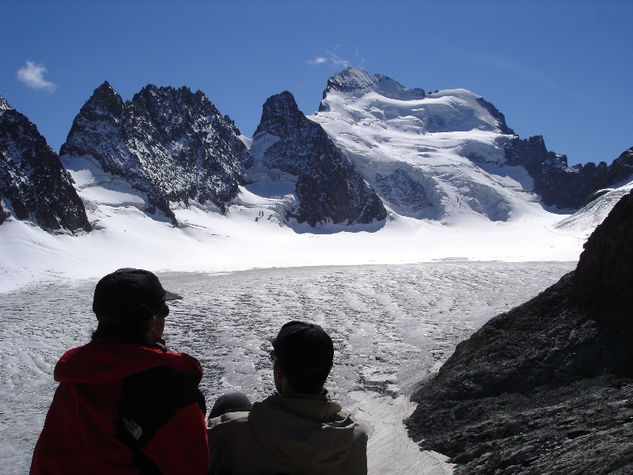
<point>561,69</point>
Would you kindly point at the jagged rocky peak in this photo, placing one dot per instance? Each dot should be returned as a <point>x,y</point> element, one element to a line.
<point>107,98</point>
<point>289,147</point>
<point>167,103</point>
<point>619,171</point>
<point>280,115</point>
<point>103,107</point>
<point>4,105</point>
<point>559,185</point>
<point>33,184</point>
<point>96,126</point>
<point>171,144</point>
<point>356,82</point>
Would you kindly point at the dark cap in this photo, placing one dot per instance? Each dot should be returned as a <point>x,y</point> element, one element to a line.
<point>129,293</point>
<point>304,348</point>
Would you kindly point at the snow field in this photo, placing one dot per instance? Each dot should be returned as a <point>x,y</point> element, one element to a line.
<point>392,326</point>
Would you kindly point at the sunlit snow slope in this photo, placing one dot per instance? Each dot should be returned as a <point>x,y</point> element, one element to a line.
<point>437,155</point>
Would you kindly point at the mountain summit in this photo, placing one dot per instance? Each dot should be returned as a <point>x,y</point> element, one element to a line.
<point>356,82</point>
<point>171,145</point>
<point>449,153</point>
<point>434,155</point>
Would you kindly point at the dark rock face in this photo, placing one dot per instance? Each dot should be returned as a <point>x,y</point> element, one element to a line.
<point>328,187</point>
<point>545,387</point>
<point>560,185</point>
<point>33,184</point>
<point>619,171</point>
<point>171,144</point>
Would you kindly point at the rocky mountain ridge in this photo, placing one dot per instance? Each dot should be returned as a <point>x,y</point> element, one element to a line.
<point>171,144</point>
<point>374,148</point>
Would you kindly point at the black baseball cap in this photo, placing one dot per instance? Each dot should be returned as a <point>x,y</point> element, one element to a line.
<point>129,294</point>
<point>304,348</point>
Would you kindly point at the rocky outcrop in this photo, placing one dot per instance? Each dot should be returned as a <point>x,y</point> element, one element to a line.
<point>562,186</point>
<point>545,387</point>
<point>33,184</point>
<point>557,184</point>
<point>171,144</point>
<point>287,146</point>
<point>620,171</point>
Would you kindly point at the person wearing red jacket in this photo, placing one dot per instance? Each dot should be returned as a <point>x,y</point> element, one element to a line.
<point>125,403</point>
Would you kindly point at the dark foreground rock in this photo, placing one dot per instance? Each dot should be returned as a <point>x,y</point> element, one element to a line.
<point>548,386</point>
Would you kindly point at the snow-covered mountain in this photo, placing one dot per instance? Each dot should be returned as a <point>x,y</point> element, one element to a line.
<point>168,156</point>
<point>437,155</point>
<point>33,184</point>
<point>447,153</point>
<point>374,149</point>
<point>172,146</point>
<point>294,154</point>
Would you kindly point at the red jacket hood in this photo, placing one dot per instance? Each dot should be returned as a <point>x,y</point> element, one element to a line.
<point>105,360</point>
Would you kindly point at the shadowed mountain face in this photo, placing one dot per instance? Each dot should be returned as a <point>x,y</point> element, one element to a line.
<point>33,184</point>
<point>294,149</point>
<point>546,386</point>
<point>171,144</point>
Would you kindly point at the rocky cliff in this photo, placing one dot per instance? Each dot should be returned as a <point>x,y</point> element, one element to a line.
<point>33,184</point>
<point>171,144</point>
<point>287,147</point>
<point>545,388</point>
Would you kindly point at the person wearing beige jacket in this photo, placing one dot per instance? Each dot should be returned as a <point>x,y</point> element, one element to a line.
<point>299,429</point>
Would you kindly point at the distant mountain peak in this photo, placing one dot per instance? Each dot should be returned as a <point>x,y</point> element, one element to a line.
<point>328,189</point>
<point>105,90</point>
<point>105,101</point>
<point>4,105</point>
<point>355,81</point>
<point>278,113</point>
<point>170,144</point>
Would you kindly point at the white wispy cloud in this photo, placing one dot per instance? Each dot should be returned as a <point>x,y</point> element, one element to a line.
<point>330,57</point>
<point>337,60</point>
<point>32,75</point>
<point>317,60</point>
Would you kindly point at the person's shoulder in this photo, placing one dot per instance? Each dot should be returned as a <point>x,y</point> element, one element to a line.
<point>226,429</point>
<point>234,417</point>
